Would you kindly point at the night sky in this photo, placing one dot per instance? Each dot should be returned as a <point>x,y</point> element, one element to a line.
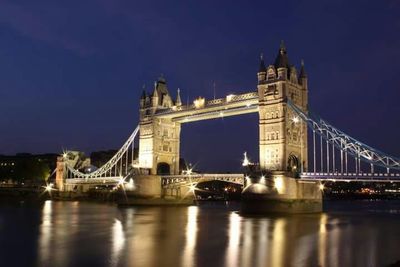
<point>71,72</point>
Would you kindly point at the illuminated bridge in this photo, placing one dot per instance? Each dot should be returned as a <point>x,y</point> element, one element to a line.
<point>292,140</point>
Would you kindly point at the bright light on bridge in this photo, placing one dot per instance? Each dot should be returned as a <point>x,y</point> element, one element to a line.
<point>199,102</point>
<point>279,184</point>
<point>321,187</point>
<point>188,171</point>
<point>192,187</point>
<point>229,97</point>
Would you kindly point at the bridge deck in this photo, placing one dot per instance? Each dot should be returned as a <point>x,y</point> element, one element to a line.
<point>100,180</point>
<point>351,177</point>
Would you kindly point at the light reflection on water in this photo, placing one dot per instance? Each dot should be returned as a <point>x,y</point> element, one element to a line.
<point>191,235</point>
<point>118,241</point>
<point>83,234</point>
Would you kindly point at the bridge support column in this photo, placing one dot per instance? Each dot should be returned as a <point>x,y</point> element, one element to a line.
<point>149,190</point>
<point>284,195</point>
<point>159,146</point>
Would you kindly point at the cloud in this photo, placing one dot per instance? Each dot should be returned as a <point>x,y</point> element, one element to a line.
<point>35,26</point>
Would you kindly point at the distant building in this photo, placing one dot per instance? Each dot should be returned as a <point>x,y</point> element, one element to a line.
<point>25,166</point>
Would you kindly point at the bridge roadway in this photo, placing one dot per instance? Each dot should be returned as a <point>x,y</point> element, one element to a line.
<point>174,180</point>
<point>351,177</point>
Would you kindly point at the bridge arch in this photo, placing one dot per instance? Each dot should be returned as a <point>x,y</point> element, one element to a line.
<point>293,163</point>
<point>163,168</point>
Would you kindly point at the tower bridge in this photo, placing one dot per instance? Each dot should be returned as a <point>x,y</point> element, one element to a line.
<point>293,142</point>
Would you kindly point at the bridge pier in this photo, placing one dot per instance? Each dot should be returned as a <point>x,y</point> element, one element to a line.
<point>286,195</point>
<point>149,190</point>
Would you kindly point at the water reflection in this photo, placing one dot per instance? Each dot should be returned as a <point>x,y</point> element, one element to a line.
<point>191,236</point>
<point>45,232</point>
<point>234,240</point>
<point>118,241</point>
<point>86,234</point>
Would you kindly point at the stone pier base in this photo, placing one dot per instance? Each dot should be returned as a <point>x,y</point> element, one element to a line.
<point>287,195</point>
<point>148,191</point>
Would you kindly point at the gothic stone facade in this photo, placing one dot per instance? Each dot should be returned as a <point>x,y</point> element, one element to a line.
<point>283,136</point>
<point>159,137</point>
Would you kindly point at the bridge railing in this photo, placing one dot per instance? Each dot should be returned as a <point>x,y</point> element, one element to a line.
<point>352,177</point>
<point>336,150</point>
<point>194,178</point>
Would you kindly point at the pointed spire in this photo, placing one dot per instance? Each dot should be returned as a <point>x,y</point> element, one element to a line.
<point>262,64</point>
<point>282,60</point>
<point>303,73</point>
<point>155,92</point>
<point>282,46</point>
<point>178,101</point>
<point>144,92</point>
<point>162,78</point>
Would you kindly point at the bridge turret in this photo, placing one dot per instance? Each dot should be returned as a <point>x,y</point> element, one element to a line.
<point>159,137</point>
<point>262,70</point>
<point>282,63</point>
<point>283,139</point>
<point>143,99</point>
<point>271,73</point>
<point>293,75</point>
<point>155,97</point>
<point>303,76</point>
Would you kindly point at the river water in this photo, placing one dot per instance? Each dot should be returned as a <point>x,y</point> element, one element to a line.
<point>53,233</point>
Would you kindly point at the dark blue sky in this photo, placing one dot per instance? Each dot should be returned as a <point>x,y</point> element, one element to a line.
<point>71,72</point>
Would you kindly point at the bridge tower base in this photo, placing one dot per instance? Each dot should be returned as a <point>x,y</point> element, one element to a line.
<point>148,190</point>
<point>284,195</point>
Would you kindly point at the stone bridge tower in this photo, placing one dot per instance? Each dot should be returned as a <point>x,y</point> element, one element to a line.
<point>283,136</point>
<point>159,137</point>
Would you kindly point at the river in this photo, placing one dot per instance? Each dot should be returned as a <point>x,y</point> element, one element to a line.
<point>55,233</point>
